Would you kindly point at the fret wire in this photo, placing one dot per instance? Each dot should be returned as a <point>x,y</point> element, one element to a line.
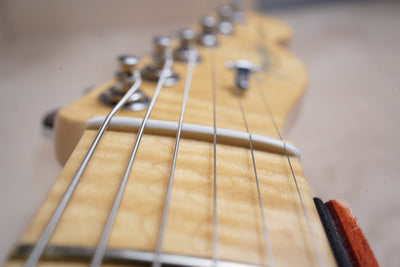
<point>189,73</point>
<point>39,247</point>
<point>125,257</point>
<point>215,213</point>
<point>264,99</point>
<point>101,247</point>
<point>268,247</point>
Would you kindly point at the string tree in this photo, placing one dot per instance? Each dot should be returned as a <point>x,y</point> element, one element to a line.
<point>125,77</point>
<point>187,47</point>
<point>208,35</point>
<point>162,51</point>
<point>243,69</point>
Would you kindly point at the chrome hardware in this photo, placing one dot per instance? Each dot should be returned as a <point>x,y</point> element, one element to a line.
<point>126,77</point>
<point>238,13</point>
<point>153,71</point>
<point>208,35</point>
<point>243,69</point>
<point>225,25</point>
<point>187,46</point>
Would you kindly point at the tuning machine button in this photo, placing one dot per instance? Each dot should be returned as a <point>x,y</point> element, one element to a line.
<point>187,46</point>
<point>125,77</point>
<point>225,25</point>
<point>208,35</point>
<point>153,71</point>
<point>243,69</point>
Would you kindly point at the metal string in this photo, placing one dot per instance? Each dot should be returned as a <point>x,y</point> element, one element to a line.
<point>264,99</point>
<point>268,247</point>
<point>319,256</point>
<point>101,247</point>
<point>189,74</point>
<point>215,214</point>
<point>39,247</point>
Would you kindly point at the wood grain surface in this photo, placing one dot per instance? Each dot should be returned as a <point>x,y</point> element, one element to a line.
<point>189,226</point>
<point>297,236</point>
<point>350,106</point>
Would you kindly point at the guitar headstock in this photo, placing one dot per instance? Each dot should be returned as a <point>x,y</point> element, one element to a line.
<point>259,39</point>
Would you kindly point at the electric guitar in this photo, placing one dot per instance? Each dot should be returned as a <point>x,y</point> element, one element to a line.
<point>190,167</point>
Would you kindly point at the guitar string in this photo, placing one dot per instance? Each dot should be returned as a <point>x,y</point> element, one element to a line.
<point>120,192</point>
<point>268,247</point>
<point>313,237</point>
<point>215,213</point>
<point>41,244</point>
<point>266,104</point>
<point>103,242</point>
<point>101,247</point>
<point>189,73</point>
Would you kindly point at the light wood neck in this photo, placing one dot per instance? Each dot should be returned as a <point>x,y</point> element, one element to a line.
<point>294,229</point>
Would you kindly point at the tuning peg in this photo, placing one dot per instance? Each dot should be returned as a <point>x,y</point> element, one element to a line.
<point>208,34</point>
<point>152,72</point>
<point>126,73</point>
<point>161,45</point>
<point>187,46</point>
<point>238,13</point>
<point>225,25</point>
<point>126,76</point>
<point>128,63</point>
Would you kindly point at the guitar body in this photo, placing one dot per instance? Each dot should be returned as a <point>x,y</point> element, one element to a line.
<point>295,233</point>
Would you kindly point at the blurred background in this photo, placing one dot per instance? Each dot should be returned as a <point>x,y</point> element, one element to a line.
<point>347,128</point>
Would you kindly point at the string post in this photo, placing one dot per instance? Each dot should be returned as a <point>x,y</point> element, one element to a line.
<point>208,36</point>
<point>187,47</point>
<point>125,77</point>
<point>237,11</point>
<point>152,72</point>
<point>225,25</point>
<point>128,63</point>
<point>243,69</point>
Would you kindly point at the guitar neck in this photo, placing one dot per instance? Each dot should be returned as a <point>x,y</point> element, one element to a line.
<point>227,202</point>
<point>189,229</point>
